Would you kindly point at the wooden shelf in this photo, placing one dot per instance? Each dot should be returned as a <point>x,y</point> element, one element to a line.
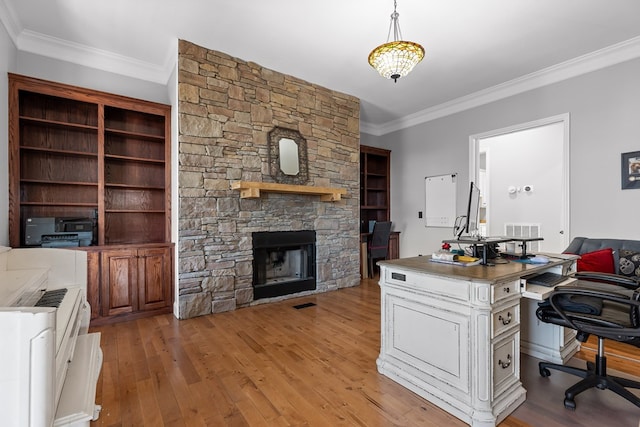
<point>132,159</point>
<point>59,152</point>
<point>249,189</point>
<point>62,124</point>
<point>375,170</point>
<point>159,138</point>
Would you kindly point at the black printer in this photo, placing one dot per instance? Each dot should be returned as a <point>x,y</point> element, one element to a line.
<point>56,232</point>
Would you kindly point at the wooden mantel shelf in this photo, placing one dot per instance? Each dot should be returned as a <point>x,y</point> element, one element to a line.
<point>249,189</point>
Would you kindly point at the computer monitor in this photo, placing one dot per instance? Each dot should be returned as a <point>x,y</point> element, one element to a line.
<point>473,211</point>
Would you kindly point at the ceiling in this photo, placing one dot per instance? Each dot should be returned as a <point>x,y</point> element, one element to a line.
<point>476,50</point>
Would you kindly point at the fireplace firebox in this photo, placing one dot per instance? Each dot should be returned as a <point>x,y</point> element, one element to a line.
<point>284,262</point>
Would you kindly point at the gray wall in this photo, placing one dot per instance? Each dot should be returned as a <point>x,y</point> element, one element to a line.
<point>8,54</point>
<point>604,107</point>
<point>65,72</point>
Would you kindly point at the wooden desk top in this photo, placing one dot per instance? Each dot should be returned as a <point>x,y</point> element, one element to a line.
<point>477,273</point>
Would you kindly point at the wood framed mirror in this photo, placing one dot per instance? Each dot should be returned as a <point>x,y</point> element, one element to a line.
<point>288,160</point>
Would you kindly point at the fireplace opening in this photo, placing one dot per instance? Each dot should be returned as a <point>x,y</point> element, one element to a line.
<point>284,262</point>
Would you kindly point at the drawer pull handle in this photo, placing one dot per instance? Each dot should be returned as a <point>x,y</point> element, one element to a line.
<point>399,276</point>
<point>507,290</point>
<point>506,364</point>
<point>507,320</point>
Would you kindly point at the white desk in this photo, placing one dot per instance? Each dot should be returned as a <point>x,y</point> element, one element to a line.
<point>454,334</point>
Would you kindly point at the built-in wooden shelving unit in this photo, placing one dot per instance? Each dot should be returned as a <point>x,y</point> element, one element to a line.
<point>375,194</point>
<point>80,153</point>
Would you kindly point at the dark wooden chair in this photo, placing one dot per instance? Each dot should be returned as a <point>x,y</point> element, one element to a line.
<point>378,247</point>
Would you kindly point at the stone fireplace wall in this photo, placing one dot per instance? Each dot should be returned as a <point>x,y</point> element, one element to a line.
<point>226,109</point>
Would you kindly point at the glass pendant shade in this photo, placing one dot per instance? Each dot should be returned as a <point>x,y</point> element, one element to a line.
<point>396,59</point>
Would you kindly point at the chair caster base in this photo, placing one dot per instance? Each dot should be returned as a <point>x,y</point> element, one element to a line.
<point>570,404</point>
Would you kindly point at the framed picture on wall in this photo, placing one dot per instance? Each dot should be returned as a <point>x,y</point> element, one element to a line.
<point>630,170</point>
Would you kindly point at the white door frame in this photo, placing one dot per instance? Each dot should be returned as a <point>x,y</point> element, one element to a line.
<point>474,160</point>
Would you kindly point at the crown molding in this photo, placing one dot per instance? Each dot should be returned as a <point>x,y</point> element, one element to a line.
<point>612,55</point>
<point>40,44</point>
<point>53,47</point>
<point>76,53</point>
<point>369,128</point>
<point>10,21</point>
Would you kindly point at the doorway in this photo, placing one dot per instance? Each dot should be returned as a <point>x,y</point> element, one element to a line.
<point>523,174</point>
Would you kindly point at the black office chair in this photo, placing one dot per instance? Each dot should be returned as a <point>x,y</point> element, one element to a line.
<point>379,244</point>
<point>607,306</point>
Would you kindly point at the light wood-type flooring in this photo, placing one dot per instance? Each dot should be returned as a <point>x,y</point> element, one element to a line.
<point>275,365</point>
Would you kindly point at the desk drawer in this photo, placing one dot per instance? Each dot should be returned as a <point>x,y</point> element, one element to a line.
<point>505,290</point>
<point>428,284</point>
<point>506,363</point>
<point>504,319</point>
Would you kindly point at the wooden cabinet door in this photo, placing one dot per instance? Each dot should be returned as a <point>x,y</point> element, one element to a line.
<point>93,283</point>
<point>119,282</point>
<point>154,278</point>
<point>394,245</point>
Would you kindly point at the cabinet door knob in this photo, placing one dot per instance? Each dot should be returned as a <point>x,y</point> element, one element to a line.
<point>507,320</point>
<point>505,364</point>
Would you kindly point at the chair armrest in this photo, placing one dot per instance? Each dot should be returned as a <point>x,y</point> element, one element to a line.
<point>616,279</point>
<point>602,291</point>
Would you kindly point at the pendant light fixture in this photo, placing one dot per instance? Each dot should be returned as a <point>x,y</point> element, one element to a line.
<point>396,58</point>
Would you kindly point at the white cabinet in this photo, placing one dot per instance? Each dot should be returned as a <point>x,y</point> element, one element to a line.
<point>413,329</point>
<point>546,341</point>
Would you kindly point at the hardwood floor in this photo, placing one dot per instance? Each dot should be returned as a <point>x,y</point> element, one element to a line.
<point>275,365</point>
<point>624,357</point>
